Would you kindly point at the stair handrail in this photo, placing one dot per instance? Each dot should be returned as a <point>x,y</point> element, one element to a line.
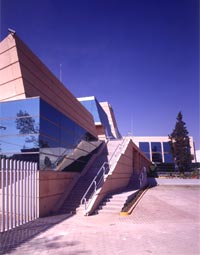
<point>120,146</point>
<point>103,171</point>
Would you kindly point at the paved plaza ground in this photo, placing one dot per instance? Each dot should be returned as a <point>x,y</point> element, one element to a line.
<point>165,221</point>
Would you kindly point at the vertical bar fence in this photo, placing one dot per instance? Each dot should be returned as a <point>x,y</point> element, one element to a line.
<point>18,193</point>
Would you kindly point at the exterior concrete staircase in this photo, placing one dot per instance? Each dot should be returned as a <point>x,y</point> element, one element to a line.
<point>72,202</point>
<point>114,203</point>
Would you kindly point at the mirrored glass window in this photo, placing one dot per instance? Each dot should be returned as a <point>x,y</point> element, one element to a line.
<point>156,147</point>
<point>10,109</point>
<point>144,146</point>
<point>48,112</point>
<point>156,157</point>
<point>166,147</point>
<point>168,158</point>
<point>50,129</point>
<point>32,129</point>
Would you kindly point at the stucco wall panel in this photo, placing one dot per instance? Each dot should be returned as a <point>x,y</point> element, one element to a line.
<point>10,73</point>
<point>7,43</point>
<point>12,90</point>
<point>8,57</point>
<point>52,186</point>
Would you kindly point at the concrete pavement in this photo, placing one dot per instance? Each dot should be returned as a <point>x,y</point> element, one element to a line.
<point>165,221</point>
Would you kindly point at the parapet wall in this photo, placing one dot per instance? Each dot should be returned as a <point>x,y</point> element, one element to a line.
<point>52,186</point>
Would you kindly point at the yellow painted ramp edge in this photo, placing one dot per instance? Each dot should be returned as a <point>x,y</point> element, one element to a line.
<point>134,204</point>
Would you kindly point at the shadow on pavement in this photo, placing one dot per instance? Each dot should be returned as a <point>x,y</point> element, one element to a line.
<point>11,239</point>
<point>151,181</point>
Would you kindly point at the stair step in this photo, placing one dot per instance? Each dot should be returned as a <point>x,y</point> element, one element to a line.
<point>72,202</point>
<point>108,212</point>
<point>112,208</point>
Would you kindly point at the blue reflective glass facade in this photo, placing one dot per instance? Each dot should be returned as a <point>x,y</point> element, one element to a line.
<point>168,158</point>
<point>167,155</point>
<point>93,106</point>
<point>156,147</point>
<point>156,152</point>
<point>31,129</point>
<point>144,146</point>
<point>160,152</point>
<point>166,147</point>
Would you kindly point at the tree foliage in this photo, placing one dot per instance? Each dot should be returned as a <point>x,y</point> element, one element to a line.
<point>180,144</point>
<point>25,123</point>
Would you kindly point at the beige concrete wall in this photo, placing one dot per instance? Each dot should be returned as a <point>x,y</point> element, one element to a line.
<point>11,83</point>
<point>131,161</point>
<point>23,75</point>
<point>52,186</point>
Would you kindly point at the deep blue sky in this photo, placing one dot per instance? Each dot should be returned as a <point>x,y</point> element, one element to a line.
<point>142,56</point>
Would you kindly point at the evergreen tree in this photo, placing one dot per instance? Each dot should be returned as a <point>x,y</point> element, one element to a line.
<point>180,144</point>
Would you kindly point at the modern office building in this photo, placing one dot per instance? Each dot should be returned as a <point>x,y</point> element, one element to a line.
<point>40,119</point>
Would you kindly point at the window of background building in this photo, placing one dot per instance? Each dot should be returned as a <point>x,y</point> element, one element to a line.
<point>168,158</point>
<point>167,155</point>
<point>166,147</point>
<point>156,152</point>
<point>144,146</point>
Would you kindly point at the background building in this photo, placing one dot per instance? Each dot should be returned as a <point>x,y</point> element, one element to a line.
<point>157,148</point>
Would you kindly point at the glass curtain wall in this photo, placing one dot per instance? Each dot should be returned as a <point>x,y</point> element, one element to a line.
<point>93,106</point>
<point>167,154</point>
<point>33,130</point>
<point>144,146</point>
<point>158,153</point>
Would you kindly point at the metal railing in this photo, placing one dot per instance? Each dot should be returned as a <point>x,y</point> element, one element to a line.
<point>95,184</point>
<point>18,193</point>
<point>100,177</point>
<point>118,149</point>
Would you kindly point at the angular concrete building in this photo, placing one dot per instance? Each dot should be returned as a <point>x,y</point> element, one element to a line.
<point>104,118</point>
<point>40,119</point>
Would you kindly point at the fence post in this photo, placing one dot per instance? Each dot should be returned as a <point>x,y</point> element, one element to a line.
<point>18,193</point>
<point>15,194</point>
<point>2,163</point>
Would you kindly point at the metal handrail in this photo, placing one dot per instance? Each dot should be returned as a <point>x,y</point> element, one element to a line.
<point>119,146</point>
<point>102,171</point>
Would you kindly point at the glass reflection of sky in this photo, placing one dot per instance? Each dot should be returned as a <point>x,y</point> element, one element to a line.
<point>39,125</point>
